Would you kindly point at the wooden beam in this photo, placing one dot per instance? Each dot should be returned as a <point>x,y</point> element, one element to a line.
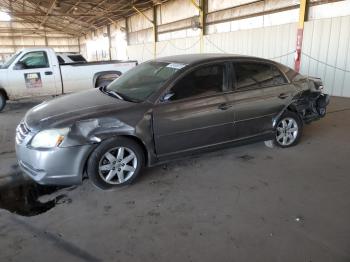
<point>48,12</point>
<point>35,14</point>
<point>142,14</point>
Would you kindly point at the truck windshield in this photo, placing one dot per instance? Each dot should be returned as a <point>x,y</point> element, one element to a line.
<point>10,61</point>
<point>140,82</point>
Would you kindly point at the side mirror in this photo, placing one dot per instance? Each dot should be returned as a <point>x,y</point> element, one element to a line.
<point>167,97</point>
<point>19,66</point>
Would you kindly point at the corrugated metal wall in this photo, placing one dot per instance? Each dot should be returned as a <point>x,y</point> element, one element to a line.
<point>325,48</point>
<point>326,54</point>
<point>13,37</point>
<point>275,42</point>
<point>144,52</point>
<point>9,45</point>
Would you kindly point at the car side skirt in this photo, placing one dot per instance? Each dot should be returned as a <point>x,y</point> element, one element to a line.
<point>199,150</point>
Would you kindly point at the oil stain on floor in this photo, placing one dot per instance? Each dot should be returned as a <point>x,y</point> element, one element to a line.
<point>24,199</point>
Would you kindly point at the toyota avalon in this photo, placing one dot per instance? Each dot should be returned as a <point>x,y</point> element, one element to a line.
<point>164,109</point>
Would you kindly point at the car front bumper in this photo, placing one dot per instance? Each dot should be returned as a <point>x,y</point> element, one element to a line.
<point>57,166</point>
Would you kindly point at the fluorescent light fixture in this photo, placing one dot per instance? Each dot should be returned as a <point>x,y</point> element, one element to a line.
<point>4,16</point>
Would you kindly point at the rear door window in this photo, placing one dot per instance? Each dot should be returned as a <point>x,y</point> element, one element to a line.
<point>251,75</point>
<point>77,58</point>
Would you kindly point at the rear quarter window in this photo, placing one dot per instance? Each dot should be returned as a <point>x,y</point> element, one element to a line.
<point>60,60</point>
<point>77,58</point>
<point>291,74</point>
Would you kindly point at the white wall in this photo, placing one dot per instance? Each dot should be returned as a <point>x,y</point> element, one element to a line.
<point>326,53</point>
<point>275,42</point>
<point>273,35</point>
<point>326,48</point>
<point>11,44</point>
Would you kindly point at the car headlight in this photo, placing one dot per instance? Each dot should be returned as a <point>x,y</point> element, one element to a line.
<point>49,138</point>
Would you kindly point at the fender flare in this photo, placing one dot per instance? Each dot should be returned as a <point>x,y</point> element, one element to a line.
<point>95,131</point>
<point>291,107</point>
<point>99,74</point>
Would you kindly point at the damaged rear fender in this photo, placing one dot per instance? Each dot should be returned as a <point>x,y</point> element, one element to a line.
<point>309,105</point>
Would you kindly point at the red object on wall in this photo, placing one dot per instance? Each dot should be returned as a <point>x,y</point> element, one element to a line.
<point>298,49</point>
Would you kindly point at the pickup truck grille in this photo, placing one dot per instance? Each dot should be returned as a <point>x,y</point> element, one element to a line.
<point>21,132</point>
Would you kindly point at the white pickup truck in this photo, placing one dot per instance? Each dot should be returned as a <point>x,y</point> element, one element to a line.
<point>40,72</point>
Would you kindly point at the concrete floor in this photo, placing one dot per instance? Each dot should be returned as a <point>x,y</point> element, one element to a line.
<point>249,203</point>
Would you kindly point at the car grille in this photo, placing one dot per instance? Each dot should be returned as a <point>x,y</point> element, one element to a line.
<point>21,132</point>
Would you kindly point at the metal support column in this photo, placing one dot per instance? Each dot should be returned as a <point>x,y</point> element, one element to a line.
<point>202,8</point>
<point>155,31</point>
<point>79,48</point>
<point>300,32</point>
<point>109,41</point>
<point>46,41</point>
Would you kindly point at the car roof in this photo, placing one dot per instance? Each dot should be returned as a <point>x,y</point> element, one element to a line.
<point>205,57</point>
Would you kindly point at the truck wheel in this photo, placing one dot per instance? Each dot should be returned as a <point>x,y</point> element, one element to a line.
<point>2,101</point>
<point>288,130</point>
<point>115,162</point>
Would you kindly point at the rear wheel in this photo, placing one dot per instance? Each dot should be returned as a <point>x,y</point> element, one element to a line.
<point>288,130</point>
<point>2,101</point>
<point>115,162</point>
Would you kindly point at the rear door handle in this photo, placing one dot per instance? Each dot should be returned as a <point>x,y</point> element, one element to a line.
<point>283,96</point>
<point>224,106</point>
<point>48,73</point>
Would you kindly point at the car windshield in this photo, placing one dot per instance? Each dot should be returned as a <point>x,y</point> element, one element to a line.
<point>10,61</point>
<point>143,80</point>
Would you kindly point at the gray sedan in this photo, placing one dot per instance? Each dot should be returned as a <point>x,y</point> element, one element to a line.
<point>164,109</point>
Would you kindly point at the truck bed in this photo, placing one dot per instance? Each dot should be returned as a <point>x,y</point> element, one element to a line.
<point>80,76</point>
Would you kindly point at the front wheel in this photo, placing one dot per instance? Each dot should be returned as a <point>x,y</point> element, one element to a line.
<point>115,162</point>
<point>2,101</point>
<point>288,130</point>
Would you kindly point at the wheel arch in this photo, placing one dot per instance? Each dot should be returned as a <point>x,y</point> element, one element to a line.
<point>141,144</point>
<point>100,74</point>
<point>290,107</point>
<point>4,93</point>
<point>131,137</point>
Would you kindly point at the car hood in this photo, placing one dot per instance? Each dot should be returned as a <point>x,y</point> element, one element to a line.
<point>68,109</point>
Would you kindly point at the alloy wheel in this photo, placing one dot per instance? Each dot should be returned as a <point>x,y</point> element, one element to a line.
<point>287,131</point>
<point>117,165</point>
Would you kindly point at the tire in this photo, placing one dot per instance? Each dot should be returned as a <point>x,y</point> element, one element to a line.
<point>2,101</point>
<point>288,130</point>
<point>113,155</point>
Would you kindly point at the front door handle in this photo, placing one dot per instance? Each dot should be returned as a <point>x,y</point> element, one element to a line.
<point>283,96</point>
<point>224,106</point>
<point>48,73</point>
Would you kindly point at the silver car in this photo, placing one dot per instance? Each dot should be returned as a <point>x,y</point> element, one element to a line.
<point>164,109</point>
